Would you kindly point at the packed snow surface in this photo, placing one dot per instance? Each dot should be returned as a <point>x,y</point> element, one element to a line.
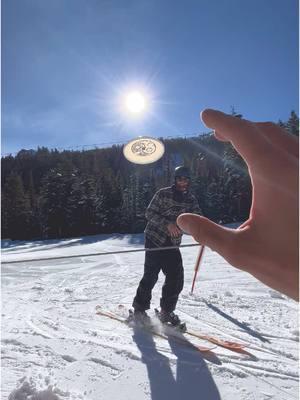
<point>55,347</point>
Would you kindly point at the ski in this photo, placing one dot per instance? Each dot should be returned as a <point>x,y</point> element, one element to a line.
<point>181,327</point>
<point>230,345</point>
<point>151,329</point>
<point>219,342</point>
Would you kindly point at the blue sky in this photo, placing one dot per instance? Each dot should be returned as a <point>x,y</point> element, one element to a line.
<point>67,63</point>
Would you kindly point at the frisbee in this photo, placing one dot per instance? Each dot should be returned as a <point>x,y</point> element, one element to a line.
<point>143,150</point>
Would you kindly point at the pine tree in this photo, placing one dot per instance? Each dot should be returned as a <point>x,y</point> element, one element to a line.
<point>85,207</point>
<point>282,124</point>
<point>110,201</point>
<point>35,215</point>
<point>214,201</point>
<point>292,124</point>
<point>55,193</point>
<point>16,212</point>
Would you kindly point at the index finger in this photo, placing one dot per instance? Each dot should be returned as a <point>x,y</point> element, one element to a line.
<point>244,135</point>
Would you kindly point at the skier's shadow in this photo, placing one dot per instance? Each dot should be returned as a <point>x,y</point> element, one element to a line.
<point>241,325</point>
<point>193,378</point>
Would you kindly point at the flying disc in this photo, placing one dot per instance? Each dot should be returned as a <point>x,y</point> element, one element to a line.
<point>143,150</point>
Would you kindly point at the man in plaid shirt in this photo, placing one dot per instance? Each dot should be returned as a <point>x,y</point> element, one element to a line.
<point>161,231</point>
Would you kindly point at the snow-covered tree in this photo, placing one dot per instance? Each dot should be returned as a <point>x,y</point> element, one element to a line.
<point>292,124</point>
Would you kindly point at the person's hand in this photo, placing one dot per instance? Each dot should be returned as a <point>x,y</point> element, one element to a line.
<point>266,245</point>
<point>173,230</point>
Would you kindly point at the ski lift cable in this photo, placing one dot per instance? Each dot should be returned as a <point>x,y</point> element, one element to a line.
<point>100,145</point>
<point>100,254</point>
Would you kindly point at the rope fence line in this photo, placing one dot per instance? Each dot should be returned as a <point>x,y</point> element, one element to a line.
<point>100,254</point>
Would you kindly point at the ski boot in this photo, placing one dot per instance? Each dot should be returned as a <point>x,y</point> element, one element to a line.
<point>170,318</point>
<point>139,317</point>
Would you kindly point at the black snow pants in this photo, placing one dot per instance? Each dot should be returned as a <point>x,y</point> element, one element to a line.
<point>170,262</point>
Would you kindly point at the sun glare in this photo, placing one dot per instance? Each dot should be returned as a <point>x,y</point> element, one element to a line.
<point>135,102</point>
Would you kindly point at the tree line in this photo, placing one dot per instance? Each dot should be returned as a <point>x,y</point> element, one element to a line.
<point>55,194</point>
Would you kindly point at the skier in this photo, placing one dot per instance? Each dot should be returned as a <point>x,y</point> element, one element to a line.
<point>161,231</point>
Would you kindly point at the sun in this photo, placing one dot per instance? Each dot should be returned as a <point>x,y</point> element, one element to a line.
<point>135,102</point>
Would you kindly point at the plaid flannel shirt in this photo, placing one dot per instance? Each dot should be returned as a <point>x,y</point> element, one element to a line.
<point>166,205</point>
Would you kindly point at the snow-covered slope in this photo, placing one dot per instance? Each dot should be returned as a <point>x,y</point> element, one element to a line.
<point>54,346</point>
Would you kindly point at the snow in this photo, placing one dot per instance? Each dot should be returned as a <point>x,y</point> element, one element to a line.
<point>55,347</point>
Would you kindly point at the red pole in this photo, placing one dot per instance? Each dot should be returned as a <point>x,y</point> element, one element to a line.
<point>197,265</point>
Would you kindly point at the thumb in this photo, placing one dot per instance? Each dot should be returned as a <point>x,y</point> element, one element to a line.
<point>208,233</point>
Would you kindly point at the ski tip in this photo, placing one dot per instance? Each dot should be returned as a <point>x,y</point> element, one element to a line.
<point>206,349</point>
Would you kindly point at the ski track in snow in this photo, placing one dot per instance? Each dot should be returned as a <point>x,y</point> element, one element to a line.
<point>55,347</point>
